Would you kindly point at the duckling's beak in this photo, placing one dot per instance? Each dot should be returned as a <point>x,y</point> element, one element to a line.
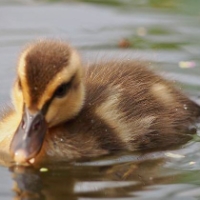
<point>29,137</point>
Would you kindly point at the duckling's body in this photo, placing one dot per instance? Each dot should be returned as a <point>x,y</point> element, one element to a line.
<point>127,107</point>
<point>119,106</point>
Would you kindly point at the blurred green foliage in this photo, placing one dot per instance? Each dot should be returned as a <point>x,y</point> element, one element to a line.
<point>186,6</point>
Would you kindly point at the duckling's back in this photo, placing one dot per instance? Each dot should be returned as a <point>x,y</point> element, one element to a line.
<point>142,110</point>
<point>127,107</point>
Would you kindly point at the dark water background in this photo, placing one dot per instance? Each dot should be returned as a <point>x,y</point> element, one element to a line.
<point>164,32</point>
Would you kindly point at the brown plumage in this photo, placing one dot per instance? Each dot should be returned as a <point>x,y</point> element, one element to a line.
<point>40,59</point>
<point>112,106</point>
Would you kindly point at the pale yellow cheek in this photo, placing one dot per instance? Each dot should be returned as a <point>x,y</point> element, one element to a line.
<point>53,113</point>
<point>60,110</point>
<point>17,99</point>
<point>65,108</point>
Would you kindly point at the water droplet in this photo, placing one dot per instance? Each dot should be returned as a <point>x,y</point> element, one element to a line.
<point>35,88</point>
<point>43,169</point>
<point>151,178</point>
<point>32,160</point>
<point>61,140</point>
<point>185,107</point>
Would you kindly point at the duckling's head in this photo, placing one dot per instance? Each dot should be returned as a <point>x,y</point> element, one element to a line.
<point>47,92</point>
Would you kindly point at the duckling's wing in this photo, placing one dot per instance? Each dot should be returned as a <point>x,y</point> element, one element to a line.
<point>144,110</point>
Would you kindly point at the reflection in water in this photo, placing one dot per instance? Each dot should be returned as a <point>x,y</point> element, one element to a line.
<point>27,183</point>
<point>30,183</point>
<point>74,181</point>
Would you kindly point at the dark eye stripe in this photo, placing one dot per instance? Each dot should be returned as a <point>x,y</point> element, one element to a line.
<point>46,106</point>
<point>57,94</point>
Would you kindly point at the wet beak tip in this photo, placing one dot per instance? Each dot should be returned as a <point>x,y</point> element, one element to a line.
<point>20,156</point>
<point>28,140</point>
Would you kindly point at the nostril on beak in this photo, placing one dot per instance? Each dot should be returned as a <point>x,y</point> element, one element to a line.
<point>37,125</point>
<point>23,124</point>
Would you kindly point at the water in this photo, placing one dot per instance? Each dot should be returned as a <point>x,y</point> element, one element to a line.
<point>167,34</point>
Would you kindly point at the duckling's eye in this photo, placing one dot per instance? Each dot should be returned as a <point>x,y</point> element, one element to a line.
<point>62,90</point>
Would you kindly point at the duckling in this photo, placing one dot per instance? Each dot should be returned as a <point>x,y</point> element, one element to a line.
<point>64,110</point>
